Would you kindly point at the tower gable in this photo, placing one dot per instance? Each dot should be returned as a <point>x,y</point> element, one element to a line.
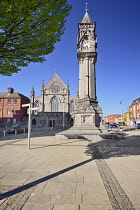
<point>86,18</point>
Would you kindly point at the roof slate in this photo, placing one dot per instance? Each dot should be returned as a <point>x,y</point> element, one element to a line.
<point>136,101</point>
<point>13,95</point>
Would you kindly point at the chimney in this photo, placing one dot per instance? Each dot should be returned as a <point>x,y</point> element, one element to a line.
<point>10,90</point>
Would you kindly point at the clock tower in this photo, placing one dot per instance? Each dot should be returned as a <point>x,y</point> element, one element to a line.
<point>87,56</point>
<point>87,114</point>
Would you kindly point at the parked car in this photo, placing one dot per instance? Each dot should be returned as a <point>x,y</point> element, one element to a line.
<point>19,128</point>
<point>113,125</point>
<point>138,125</point>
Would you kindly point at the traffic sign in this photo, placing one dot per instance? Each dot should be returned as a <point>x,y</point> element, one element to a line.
<point>35,108</point>
<point>25,105</point>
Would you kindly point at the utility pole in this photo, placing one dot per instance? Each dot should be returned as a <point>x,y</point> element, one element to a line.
<point>122,108</point>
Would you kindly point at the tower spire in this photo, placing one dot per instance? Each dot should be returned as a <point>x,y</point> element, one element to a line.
<point>86,18</point>
<point>86,7</point>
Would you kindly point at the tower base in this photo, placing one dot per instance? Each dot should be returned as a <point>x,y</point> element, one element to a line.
<point>86,125</point>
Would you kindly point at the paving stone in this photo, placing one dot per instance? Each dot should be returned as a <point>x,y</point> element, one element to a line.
<point>39,199</point>
<point>96,207</point>
<point>65,199</point>
<point>39,188</point>
<point>69,179</point>
<point>42,207</point>
<point>35,177</point>
<point>89,188</point>
<point>96,198</point>
<point>137,207</point>
<point>15,178</point>
<point>66,207</point>
<point>27,206</point>
<point>92,179</point>
<point>2,175</point>
<point>59,188</point>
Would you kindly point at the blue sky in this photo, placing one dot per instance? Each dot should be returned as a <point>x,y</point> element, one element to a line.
<point>118,63</point>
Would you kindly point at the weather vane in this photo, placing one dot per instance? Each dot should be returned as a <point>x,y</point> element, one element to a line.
<point>86,7</point>
<point>55,70</point>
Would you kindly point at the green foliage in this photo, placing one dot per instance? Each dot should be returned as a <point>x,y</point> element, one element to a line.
<point>29,30</point>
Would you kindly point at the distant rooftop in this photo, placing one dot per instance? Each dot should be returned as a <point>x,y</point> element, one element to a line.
<point>136,101</point>
<point>11,94</point>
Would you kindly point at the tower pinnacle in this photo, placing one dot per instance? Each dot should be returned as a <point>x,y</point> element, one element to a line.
<point>86,18</point>
<point>86,7</point>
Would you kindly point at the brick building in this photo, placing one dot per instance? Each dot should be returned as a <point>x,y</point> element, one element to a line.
<point>11,110</point>
<point>134,112</point>
<point>114,118</point>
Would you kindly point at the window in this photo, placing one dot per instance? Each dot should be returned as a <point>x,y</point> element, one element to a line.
<point>14,120</point>
<point>14,111</point>
<point>55,88</point>
<point>8,121</point>
<point>138,115</point>
<point>54,104</point>
<point>9,101</point>
<point>71,106</point>
<point>8,111</point>
<point>36,105</point>
<point>15,101</point>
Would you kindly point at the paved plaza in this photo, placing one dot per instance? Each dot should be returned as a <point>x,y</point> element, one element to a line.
<point>73,174</point>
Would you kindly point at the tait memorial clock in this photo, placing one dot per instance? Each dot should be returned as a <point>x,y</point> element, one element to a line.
<point>87,56</point>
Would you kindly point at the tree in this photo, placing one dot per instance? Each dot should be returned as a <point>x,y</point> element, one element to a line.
<point>29,30</point>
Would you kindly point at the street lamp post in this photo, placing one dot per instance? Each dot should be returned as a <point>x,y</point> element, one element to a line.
<point>122,109</point>
<point>63,114</point>
<point>29,121</point>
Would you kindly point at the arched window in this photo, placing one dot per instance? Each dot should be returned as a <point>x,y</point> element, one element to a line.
<point>54,104</point>
<point>36,103</point>
<point>71,106</point>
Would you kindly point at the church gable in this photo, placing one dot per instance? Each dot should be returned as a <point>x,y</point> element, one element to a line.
<point>55,85</point>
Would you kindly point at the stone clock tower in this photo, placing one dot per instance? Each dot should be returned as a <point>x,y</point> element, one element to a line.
<point>87,56</point>
<point>87,115</point>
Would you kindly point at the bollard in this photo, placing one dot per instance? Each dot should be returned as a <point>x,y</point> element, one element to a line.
<point>15,132</point>
<point>121,130</point>
<point>4,133</point>
<point>24,130</point>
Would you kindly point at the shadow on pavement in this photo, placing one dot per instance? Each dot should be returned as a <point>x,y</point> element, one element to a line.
<point>34,183</point>
<point>115,148</point>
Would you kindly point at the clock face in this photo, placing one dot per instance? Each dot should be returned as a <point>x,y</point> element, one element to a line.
<point>55,88</point>
<point>86,45</point>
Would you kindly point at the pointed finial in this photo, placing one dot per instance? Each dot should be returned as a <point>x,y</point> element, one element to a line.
<point>43,84</point>
<point>33,91</point>
<point>68,83</point>
<point>55,70</point>
<point>86,7</point>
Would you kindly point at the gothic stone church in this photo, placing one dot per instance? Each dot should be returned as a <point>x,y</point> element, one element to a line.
<point>55,105</point>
